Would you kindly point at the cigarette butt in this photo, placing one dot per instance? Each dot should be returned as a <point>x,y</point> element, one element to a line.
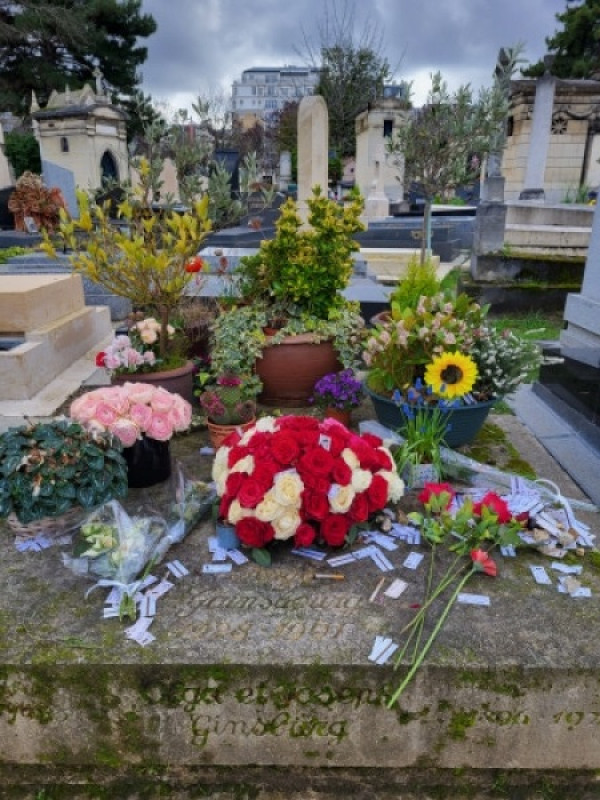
<point>376,590</point>
<point>328,576</point>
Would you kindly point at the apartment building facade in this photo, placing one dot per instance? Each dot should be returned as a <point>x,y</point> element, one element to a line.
<point>263,91</point>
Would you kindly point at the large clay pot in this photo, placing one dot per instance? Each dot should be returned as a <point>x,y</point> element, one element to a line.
<point>464,422</point>
<point>290,369</point>
<point>179,381</point>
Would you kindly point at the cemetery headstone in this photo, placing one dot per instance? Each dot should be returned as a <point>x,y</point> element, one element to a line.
<point>313,139</point>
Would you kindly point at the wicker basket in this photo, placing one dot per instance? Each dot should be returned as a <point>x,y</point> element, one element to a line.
<point>52,527</point>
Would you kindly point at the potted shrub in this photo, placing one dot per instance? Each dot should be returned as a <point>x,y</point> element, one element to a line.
<point>50,472</point>
<point>293,285</point>
<point>147,256</point>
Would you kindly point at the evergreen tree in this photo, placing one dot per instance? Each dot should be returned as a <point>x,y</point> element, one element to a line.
<point>48,44</point>
<point>576,48</point>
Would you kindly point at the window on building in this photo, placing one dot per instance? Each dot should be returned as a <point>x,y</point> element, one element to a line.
<point>388,127</point>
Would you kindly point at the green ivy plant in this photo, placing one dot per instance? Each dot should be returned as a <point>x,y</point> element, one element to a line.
<point>47,468</point>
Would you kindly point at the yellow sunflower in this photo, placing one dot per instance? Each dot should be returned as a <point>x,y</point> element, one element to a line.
<point>451,374</point>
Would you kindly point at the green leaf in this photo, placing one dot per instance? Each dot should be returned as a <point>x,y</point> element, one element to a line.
<point>261,556</point>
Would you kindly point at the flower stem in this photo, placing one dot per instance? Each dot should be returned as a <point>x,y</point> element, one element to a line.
<point>427,646</point>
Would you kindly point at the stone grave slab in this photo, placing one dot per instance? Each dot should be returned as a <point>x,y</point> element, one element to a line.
<point>268,668</point>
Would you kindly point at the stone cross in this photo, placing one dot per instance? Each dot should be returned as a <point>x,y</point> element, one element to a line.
<point>539,138</point>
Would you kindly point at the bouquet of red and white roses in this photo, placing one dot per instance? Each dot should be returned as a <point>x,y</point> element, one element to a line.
<point>294,476</point>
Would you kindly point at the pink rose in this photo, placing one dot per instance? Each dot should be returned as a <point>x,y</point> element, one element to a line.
<point>181,416</point>
<point>139,392</point>
<point>132,358</point>
<point>149,357</point>
<point>83,408</point>
<point>160,427</point>
<point>105,414</point>
<point>125,430</point>
<point>142,416</point>
<point>162,400</point>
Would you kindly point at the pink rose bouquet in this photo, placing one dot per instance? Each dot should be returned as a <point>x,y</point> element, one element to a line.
<point>132,410</point>
<point>294,476</point>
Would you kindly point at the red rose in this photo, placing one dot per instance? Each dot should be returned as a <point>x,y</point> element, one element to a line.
<point>305,535</point>
<point>298,423</point>
<point>341,473</point>
<point>365,454</point>
<point>496,505</point>
<point>315,504</point>
<point>377,493</point>
<point>371,439</point>
<point>233,482</point>
<point>334,529</point>
<point>236,454</point>
<point>359,510</point>
<point>195,264</point>
<point>253,532</point>
<point>250,493</point>
<point>285,448</point>
<point>263,474</point>
<point>436,489</point>
<point>314,482</point>
<point>224,505</point>
<point>100,358</point>
<point>317,460</point>
<point>384,460</point>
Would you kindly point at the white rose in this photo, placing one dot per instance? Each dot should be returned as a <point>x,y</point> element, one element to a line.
<point>340,498</point>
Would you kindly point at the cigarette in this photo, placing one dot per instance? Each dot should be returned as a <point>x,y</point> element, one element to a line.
<point>330,576</point>
<point>376,591</point>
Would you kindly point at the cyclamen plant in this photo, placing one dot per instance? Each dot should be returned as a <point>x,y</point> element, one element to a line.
<point>341,390</point>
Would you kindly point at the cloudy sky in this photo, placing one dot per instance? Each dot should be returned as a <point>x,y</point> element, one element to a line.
<point>201,46</point>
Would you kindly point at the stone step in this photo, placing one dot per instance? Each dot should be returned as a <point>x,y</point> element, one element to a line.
<point>546,236</point>
<point>562,215</point>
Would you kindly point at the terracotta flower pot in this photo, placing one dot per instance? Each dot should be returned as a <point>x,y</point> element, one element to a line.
<point>218,433</point>
<point>179,380</point>
<point>289,370</point>
<point>340,414</point>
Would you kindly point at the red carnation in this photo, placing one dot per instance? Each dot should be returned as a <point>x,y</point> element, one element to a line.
<point>253,532</point>
<point>195,264</point>
<point>305,535</point>
<point>250,493</point>
<point>377,493</point>
<point>334,529</point>
<point>315,504</point>
<point>100,358</point>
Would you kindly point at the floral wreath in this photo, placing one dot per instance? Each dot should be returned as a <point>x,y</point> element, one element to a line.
<point>294,476</point>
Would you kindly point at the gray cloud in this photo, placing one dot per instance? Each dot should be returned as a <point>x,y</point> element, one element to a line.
<point>203,45</point>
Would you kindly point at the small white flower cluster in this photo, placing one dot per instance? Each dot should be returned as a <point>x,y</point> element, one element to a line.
<point>504,361</point>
